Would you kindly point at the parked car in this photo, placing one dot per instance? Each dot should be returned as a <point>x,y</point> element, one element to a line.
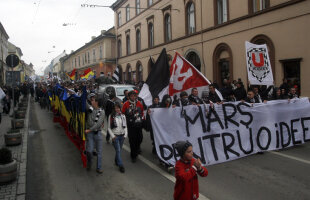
<point>118,89</point>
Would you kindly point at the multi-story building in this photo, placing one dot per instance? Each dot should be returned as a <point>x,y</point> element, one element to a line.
<point>3,53</point>
<point>54,68</point>
<point>98,54</point>
<point>211,34</point>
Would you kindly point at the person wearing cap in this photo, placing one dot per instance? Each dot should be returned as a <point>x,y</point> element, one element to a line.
<point>133,110</point>
<point>183,101</point>
<point>186,170</point>
<point>95,120</point>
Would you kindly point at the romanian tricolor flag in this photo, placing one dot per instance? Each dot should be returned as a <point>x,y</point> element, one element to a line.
<point>72,75</point>
<point>88,74</point>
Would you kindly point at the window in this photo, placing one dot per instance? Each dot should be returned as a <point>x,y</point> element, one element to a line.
<point>167,28</point>
<point>100,49</point>
<point>119,48</point>
<point>119,19</point>
<point>194,59</point>
<point>222,64</point>
<point>151,35</point>
<point>129,74</point>
<point>291,68</point>
<point>190,18</point>
<point>128,44</point>
<point>79,61</point>
<point>94,55</point>
<point>149,2</point>
<point>83,61</point>
<point>88,57</point>
<point>139,70</point>
<point>75,62</point>
<point>138,40</point>
<point>222,11</point>
<point>137,7</point>
<point>127,13</point>
<point>85,58</point>
<point>258,5</point>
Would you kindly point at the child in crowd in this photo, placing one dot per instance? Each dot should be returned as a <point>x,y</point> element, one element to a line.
<point>186,170</point>
<point>117,127</point>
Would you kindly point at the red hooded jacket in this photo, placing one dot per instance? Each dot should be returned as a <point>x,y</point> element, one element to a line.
<point>186,185</point>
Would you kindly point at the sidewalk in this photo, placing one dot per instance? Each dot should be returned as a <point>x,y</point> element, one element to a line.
<point>16,190</point>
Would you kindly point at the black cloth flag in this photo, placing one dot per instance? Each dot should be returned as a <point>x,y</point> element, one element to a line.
<point>157,81</point>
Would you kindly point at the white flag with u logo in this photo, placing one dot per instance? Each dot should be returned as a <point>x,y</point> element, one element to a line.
<point>258,64</point>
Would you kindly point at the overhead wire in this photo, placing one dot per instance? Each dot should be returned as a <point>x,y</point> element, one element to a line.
<point>36,12</point>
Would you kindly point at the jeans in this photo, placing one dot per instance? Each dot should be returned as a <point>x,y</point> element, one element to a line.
<point>94,138</point>
<point>118,144</point>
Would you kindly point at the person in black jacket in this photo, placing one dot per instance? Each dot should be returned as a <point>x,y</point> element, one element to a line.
<point>292,94</point>
<point>183,101</point>
<point>166,101</point>
<point>240,92</point>
<point>213,96</point>
<point>110,104</point>
<point>193,98</point>
<point>251,97</point>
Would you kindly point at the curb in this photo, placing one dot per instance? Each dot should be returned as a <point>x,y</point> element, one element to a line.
<point>22,178</point>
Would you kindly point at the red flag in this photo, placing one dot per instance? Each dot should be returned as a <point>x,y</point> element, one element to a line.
<point>72,74</point>
<point>184,76</point>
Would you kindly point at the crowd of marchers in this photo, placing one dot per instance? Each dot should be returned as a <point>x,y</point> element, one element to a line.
<point>125,118</point>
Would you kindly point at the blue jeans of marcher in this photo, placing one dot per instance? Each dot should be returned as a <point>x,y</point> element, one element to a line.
<point>94,138</point>
<point>118,144</point>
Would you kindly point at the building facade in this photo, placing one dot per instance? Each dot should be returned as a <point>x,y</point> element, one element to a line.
<point>3,54</point>
<point>211,34</point>
<point>98,54</point>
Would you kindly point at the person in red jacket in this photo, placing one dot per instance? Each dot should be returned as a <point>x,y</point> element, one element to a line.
<point>133,110</point>
<point>186,170</point>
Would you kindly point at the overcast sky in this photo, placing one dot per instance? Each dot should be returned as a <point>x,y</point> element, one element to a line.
<point>37,25</point>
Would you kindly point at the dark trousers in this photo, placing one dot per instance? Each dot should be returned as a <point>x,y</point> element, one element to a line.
<point>135,139</point>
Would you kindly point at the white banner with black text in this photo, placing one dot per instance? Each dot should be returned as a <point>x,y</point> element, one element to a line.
<point>232,130</point>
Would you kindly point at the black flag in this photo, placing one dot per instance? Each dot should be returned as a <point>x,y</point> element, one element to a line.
<point>158,78</point>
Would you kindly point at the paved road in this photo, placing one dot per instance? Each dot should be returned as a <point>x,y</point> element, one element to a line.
<point>55,172</point>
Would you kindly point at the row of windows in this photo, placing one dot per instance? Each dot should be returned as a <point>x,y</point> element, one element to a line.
<point>222,17</point>
<point>137,8</point>
<point>221,10</point>
<point>167,27</point>
<point>85,59</point>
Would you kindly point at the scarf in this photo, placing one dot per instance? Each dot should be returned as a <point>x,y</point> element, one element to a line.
<point>98,115</point>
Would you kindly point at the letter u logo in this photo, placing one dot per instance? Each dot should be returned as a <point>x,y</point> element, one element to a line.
<point>261,60</point>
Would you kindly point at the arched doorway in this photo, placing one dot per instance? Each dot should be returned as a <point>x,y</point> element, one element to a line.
<point>194,59</point>
<point>129,74</point>
<point>222,64</point>
<point>139,72</point>
<point>263,39</point>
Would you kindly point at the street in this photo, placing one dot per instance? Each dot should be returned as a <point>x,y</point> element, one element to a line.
<point>55,171</point>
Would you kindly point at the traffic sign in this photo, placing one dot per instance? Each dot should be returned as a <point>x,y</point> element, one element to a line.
<point>12,60</point>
